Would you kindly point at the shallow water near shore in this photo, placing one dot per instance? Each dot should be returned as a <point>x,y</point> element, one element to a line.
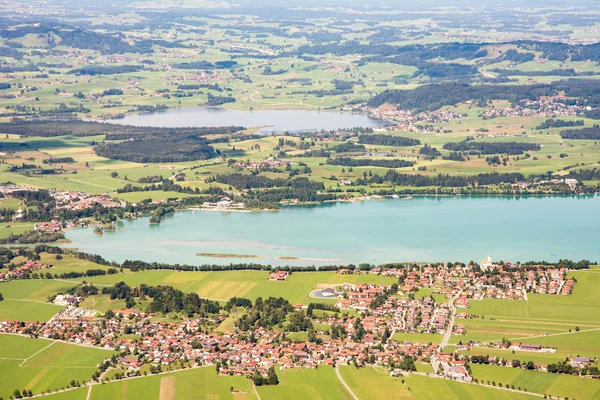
<point>393,230</point>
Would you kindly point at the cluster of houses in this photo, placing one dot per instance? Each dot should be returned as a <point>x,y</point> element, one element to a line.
<point>535,109</point>
<point>570,182</point>
<point>278,276</point>
<point>406,120</point>
<point>224,204</point>
<point>257,165</point>
<point>358,297</point>
<point>52,226</point>
<point>476,282</point>
<point>162,343</point>
<point>18,272</point>
<point>453,368</point>
<point>82,201</point>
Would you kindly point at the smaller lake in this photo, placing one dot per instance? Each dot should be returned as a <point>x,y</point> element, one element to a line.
<point>274,121</point>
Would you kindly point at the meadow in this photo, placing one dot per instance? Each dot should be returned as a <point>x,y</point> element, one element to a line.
<point>40,365</point>
<point>201,383</point>
<point>296,384</point>
<point>223,285</point>
<point>374,384</point>
<point>555,385</point>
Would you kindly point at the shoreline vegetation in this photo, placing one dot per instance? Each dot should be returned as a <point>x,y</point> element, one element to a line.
<point>226,255</point>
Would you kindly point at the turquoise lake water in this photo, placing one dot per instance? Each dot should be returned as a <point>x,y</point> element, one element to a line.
<point>418,229</point>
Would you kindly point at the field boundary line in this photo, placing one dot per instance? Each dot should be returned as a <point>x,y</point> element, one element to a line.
<point>58,341</point>
<point>550,334</point>
<point>479,384</point>
<point>35,354</point>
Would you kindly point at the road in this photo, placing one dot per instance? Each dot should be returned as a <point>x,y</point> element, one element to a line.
<point>449,330</point>
<point>337,371</point>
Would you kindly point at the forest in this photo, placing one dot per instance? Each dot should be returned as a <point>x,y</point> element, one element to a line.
<point>592,133</point>
<point>440,180</point>
<point>388,140</point>
<point>510,148</point>
<point>158,148</point>
<point>432,97</point>
<point>366,162</point>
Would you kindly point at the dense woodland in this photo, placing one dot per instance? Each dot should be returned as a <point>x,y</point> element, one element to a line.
<point>388,140</point>
<point>433,97</point>
<point>162,148</point>
<point>367,162</point>
<point>592,133</point>
<point>510,148</point>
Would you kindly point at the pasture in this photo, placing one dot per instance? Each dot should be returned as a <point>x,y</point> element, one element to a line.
<point>40,365</point>
<point>201,383</point>
<point>423,388</point>
<point>223,285</point>
<point>302,383</point>
<point>373,384</point>
<point>538,382</point>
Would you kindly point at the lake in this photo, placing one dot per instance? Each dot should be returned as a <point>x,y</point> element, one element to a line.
<point>273,121</point>
<point>417,229</point>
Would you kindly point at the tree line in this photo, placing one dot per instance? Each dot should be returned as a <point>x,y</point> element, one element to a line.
<point>366,162</point>
<point>592,133</point>
<point>388,140</point>
<point>510,148</point>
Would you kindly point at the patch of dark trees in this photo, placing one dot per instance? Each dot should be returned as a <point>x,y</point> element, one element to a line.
<point>441,180</point>
<point>585,174</point>
<point>206,65</point>
<point>360,162</point>
<point>429,152</point>
<point>435,96</point>
<point>162,148</point>
<point>592,133</point>
<point>388,140</point>
<point>106,70</point>
<point>59,160</point>
<point>558,123</point>
<point>510,148</point>
<point>165,299</point>
<point>349,147</point>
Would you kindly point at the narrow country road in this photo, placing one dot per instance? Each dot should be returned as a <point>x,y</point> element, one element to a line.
<point>337,371</point>
<point>448,333</point>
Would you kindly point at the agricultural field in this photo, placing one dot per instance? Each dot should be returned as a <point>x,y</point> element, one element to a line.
<point>321,383</point>
<point>370,383</point>
<point>432,388</point>
<point>249,284</point>
<point>374,384</point>
<point>40,365</point>
<point>193,383</point>
<point>555,385</point>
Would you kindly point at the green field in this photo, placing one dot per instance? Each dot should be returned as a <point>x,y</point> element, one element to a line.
<point>539,382</point>
<point>422,388</point>
<point>39,365</point>
<point>296,384</point>
<point>20,310</point>
<point>249,284</point>
<point>201,383</point>
<point>373,384</point>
